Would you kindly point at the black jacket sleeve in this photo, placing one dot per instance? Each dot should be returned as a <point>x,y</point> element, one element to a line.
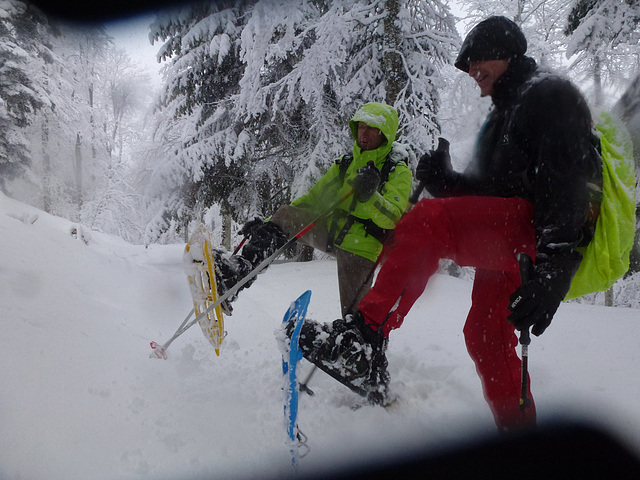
<point>537,145</point>
<point>556,129</point>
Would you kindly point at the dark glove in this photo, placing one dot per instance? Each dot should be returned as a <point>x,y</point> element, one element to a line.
<point>249,228</point>
<point>533,304</point>
<point>365,183</point>
<point>435,164</point>
<point>264,239</point>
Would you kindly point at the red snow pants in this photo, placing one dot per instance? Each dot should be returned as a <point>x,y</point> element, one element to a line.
<point>482,232</point>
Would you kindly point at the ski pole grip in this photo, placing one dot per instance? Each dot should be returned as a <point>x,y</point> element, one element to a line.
<point>415,196</point>
<point>239,246</point>
<point>524,261</point>
<point>443,146</point>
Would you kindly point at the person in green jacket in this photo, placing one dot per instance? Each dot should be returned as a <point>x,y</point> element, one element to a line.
<point>377,172</point>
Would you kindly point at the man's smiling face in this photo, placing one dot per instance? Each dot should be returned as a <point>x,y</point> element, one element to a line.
<point>486,73</point>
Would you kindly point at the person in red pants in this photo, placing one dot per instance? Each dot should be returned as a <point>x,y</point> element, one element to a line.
<point>532,187</point>
<point>484,232</point>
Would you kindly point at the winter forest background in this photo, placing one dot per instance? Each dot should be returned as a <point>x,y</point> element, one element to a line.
<point>255,98</point>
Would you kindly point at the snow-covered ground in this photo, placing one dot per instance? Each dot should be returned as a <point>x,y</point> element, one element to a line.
<point>80,398</point>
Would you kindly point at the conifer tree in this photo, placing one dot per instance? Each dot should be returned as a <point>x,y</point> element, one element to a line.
<point>604,38</point>
<point>20,25</point>
<point>259,93</point>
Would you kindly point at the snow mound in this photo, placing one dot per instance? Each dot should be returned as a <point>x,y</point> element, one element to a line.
<point>82,399</point>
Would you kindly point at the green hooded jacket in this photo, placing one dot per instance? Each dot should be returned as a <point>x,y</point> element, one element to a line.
<point>386,206</point>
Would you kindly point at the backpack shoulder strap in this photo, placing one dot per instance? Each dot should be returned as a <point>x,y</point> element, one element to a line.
<point>390,163</point>
<point>344,163</point>
<point>335,238</point>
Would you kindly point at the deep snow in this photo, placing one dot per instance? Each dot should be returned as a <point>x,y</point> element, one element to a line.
<point>81,398</point>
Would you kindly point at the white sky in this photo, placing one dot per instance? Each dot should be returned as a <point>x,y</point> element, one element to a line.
<point>132,35</point>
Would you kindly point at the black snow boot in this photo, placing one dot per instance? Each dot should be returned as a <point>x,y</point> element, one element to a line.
<point>351,352</point>
<point>230,269</point>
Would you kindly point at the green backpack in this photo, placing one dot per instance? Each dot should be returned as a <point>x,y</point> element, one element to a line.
<point>606,258</point>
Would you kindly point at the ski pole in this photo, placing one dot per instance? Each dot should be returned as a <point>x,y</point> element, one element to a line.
<point>244,240</point>
<point>159,350</point>
<point>443,146</point>
<point>239,246</point>
<point>303,386</point>
<point>415,196</point>
<point>261,266</point>
<point>524,261</point>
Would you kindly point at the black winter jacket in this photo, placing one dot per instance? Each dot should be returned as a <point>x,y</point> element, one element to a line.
<point>537,143</point>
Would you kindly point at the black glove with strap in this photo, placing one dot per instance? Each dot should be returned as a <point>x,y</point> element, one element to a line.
<point>250,227</point>
<point>264,239</point>
<point>365,183</point>
<point>533,304</point>
<point>435,165</point>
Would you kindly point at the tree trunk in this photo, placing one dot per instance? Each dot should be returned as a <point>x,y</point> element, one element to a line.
<point>395,77</point>
<point>92,122</point>
<point>608,298</point>
<point>46,161</point>
<point>226,232</point>
<point>518,17</point>
<point>597,81</point>
<point>306,253</point>
<point>78,172</point>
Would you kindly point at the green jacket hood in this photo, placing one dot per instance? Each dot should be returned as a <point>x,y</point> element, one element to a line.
<point>379,115</point>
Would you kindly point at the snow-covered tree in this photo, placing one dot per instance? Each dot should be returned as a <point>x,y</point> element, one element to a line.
<point>325,63</point>
<point>604,41</point>
<point>125,96</point>
<point>85,57</point>
<point>259,93</point>
<point>87,94</point>
<point>114,201</point>
<point>195,132</point>
<point>20,29</point>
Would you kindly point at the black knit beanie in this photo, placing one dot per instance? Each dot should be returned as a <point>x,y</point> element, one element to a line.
<point>495,38</point>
